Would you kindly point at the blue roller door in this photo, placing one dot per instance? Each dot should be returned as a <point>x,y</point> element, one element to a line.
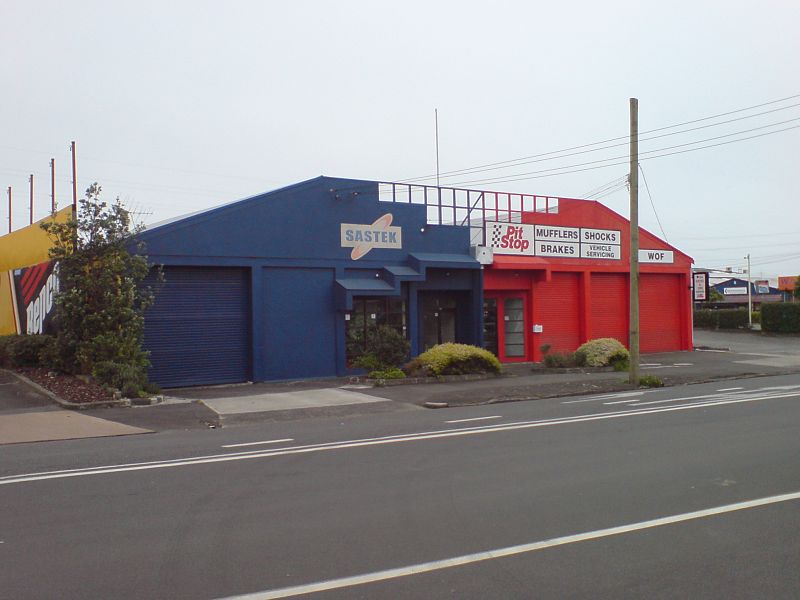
<point>198,330</point>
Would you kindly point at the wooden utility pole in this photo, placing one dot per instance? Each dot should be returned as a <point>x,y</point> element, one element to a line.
<point>74,181</point>
<point>53,185</point>
<point>634,249</point>
<point>9,209</point>
<point>31,180</point>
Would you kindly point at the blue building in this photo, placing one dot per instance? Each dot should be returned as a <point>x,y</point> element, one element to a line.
<point>272,287</point>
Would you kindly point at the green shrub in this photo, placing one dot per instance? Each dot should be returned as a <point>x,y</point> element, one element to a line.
<point>26,350</point>
<point>706,318</point>
<point>5,342</point>
<point>386,349</point>
<point>622,365</point>
<point>368,361</point>
<point>780,318</point>
<point>601,352</point>
<point>393,373</point>
<point>453,359</point>
<point>732,318</point>
<point>560,360</point>
<point>756,316</point>
<point>650,381</point>
<point>122,376</point>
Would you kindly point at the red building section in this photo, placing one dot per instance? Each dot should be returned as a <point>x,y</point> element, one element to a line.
<point>562,278</point>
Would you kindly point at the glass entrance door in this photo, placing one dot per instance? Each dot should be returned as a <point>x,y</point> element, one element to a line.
<point>513,328</point>
<point>504,326</point>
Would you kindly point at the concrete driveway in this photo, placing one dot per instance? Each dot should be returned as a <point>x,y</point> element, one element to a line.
<point>754,348</point>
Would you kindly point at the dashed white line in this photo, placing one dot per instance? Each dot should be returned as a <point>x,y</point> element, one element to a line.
<point>258,443</point>
<point>730,389</point>
<point>475,419</point>
<point>392,439</point>
<point>605,397</point>
<point>466,559</point>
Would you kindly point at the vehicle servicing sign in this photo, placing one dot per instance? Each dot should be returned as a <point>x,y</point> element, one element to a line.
<point>363,238</point>
<point>554,241</point>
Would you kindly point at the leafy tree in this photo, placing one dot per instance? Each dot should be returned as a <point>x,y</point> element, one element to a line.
<point>714,295</point>
<point>100,308</point>
<point>796,291</point>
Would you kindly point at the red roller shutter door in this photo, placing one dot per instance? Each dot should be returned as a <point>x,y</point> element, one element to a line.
<point>609,298</point>
<point>660,312</point>
<point>558,304</point>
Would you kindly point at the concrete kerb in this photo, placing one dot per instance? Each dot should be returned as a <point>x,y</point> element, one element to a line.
<point>121,402</point>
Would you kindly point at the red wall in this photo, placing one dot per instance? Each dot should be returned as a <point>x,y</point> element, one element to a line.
<point>576,299</point>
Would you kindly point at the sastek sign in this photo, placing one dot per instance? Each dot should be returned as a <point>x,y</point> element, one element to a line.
<point>564,242</point>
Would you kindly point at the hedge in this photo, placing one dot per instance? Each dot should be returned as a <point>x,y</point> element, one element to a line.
<point>724,318</point>
<point>780,318</point>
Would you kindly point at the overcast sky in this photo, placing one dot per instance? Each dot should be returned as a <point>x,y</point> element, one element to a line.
<point>178,106</point>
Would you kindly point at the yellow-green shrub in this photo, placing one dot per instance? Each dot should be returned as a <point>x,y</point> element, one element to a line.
<point>453,359</point>
<point>601,353</point>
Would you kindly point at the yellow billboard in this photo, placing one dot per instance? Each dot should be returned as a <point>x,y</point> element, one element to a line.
<point>22,248</point>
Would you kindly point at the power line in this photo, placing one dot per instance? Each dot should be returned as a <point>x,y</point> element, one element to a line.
<point>624,137</point>
<point>649,195</point>
<point>478,169</point>
<point>516,176</point>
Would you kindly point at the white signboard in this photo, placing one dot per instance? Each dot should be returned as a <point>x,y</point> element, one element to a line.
<point>735,291</point>
<point>551,233</point>
<point>701,286</point>
<point>600,236</point>
<point>554,241</point>
<point>559,249</point>
<point>601,251</point>
<point>510,238</point>
<point>656,256</point>
<point>363,238</point>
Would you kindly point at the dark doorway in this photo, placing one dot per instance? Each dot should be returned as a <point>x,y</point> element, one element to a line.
<point>490,325</point>
<point>439,318</point>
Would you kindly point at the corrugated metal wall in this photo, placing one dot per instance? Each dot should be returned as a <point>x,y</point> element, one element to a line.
<point>660,312</point>
<point>609,306</point>
<point>558,303</point>
<point>198,330</point>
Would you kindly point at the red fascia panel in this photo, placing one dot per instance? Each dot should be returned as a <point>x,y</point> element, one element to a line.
<point>502,261</point>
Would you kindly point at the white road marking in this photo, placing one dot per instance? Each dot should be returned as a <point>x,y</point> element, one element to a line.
<point>650,364</point>
<point>392,439</point>
<point>467,559</point>
<point>604,397</point>
<point>626,401</point>
<point>257,443</point>
<point>683,364</point>
<point>475,419</point>
<point>766,393</point>
<point>730,389</point>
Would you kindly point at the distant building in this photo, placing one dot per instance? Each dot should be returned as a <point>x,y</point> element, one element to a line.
<point>734,293</point>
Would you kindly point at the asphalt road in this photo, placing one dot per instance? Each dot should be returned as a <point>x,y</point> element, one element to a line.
<point>583,497</point>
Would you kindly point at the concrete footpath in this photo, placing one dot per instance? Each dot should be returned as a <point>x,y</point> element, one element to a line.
<point>26,415</point>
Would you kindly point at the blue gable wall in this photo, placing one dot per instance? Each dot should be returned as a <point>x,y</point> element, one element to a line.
<point>302,222</point>
<point>302,280</point>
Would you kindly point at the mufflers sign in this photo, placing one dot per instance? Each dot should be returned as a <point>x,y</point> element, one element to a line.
<point>363,238</point>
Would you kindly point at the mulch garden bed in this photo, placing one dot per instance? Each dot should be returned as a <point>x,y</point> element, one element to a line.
<point>67,387</point>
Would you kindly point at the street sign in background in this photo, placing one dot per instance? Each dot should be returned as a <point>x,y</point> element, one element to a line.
<point>700,287</point>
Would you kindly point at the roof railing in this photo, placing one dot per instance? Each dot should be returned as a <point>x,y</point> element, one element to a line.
<point>465,207</point>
